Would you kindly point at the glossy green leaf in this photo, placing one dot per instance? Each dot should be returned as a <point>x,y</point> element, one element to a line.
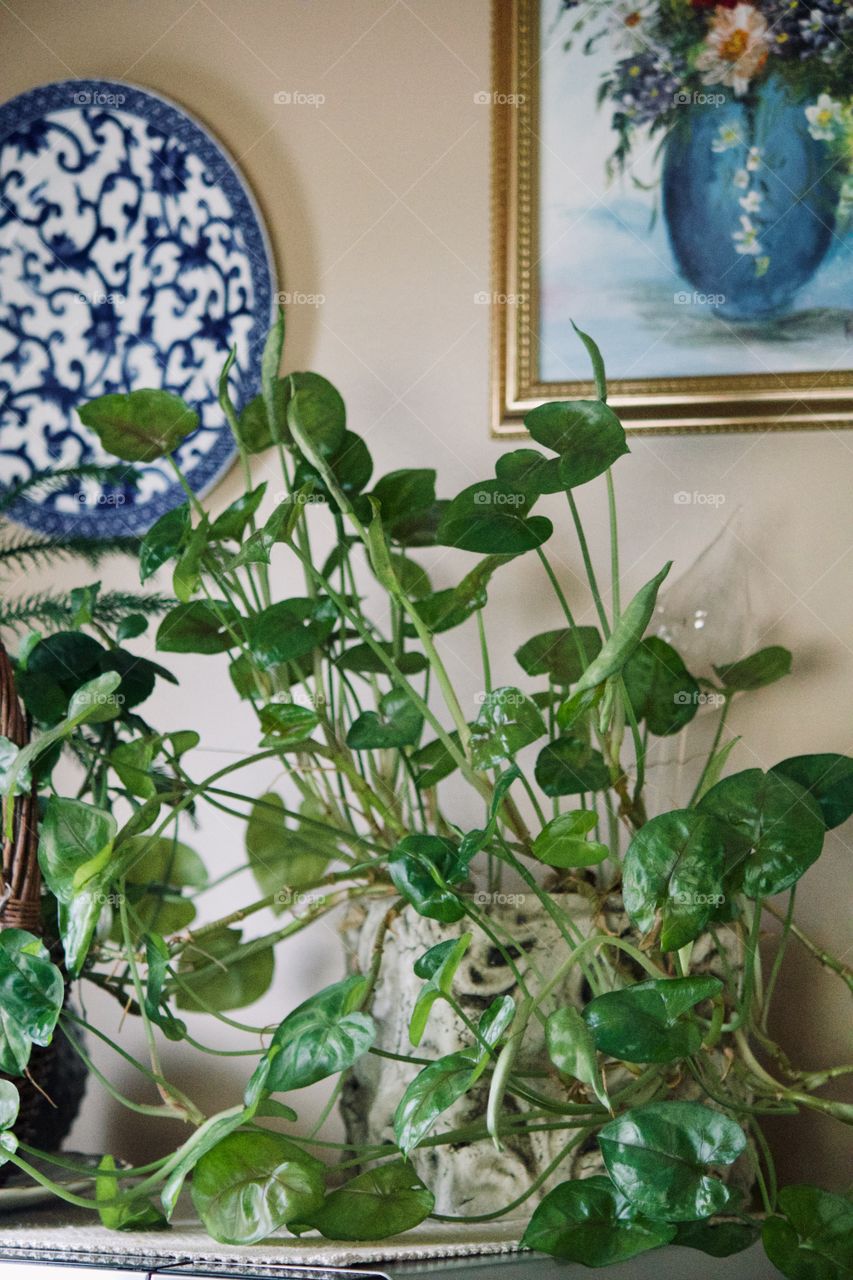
<point>778,825</point>
<point>11,777</point>
<point>571,1048</point>
<point>350,464</point>
<point>452,606</point>
<point>198,627</point>
<point>562,843</point>
<point>402,495</point>
<point>164,540</point>
<point>421,866</point>
<point>568,766</point>
<point>494,1022</point>
<point>596,360</point>
<point>556,654</point>
<point>624,638</point>
<point>530,471</point>
<point>439,967</point>
<point>675,864</point>
<point>139,426</point>
<point>289,629</point>
<point>286,724</point>
<point>233,521</point>
<point>397,723</point>
<point>10,1102</point>
<point>492,518</point>
<point>588,1221</point>
<point>316,410</point>
<point>827,777</point>
<point>251,1184</point>
<point>659,1156</point>
<point>585,433</point>
<point>507,721</point>
<point>222,973</point>
<point>75,847</point>
<point>132,762</point>
<point>650,1021</point>
<point>434,762</point>
<point>135,1215</point>
<point>759,669</point>
<point>187,575</point>
<point>660,688</point>
<point>811,1237</point>
<point>324,1035</point>
<point>364,659</point>
<point>31,996</point>
<point>717,1239</point>
<point>432,1091</point>
<point>284,859</point>
<point>205,1138</point>
<point>378,1203</point>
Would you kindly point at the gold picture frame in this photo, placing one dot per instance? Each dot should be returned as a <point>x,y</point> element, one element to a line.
<point>751,402</point>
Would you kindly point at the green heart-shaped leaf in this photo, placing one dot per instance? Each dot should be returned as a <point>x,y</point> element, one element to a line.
<point>828,778</point>
<point>423,869</point>
<point>508,721</point>
<point>571,1048</point>
<point>290,629</point>
<point>31,996</point>
<point>252,1183</point>
<point>557,654</point>
<point>139,426</point>
<point>562,843</point>
<point>199,627</point>
<point>398,723</point>
<point>779,830</point>
<point>431,1092</point>
<point>492,517</point>
<point>675,864</point>
<point>378,1203</point>
<point>590,1222</point>
<point>759,669</point>
<point>812,1237</point>
<point>649,1022</point>
<point>586,433</point>
<point>659,1156</point>
<point>569,766</point>
<point>324,1035</point>
<point>660,688</point>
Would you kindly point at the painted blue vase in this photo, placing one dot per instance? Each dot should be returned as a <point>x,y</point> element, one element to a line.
<point>730,159</point>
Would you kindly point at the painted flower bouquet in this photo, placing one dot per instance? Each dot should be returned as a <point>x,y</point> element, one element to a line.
<point>740,66</point>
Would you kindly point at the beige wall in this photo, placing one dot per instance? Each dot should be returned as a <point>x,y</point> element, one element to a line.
<point>379,200</point>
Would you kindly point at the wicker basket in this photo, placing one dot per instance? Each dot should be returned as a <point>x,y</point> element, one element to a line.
<point>53,1088</point>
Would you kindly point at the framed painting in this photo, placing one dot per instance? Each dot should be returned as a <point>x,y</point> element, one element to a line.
<point>674,177</point>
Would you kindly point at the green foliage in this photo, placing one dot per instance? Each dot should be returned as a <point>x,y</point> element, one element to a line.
<point>139,426</point>
<point>31,996</point>
<point>591,1222</point>
<point>812,1237</point>
<point>384,793</point>
<point>660,1157</point>
<point>375,1204</point>
<point>650,1021</point>
<point>252,1183</point>
<point>326,1034</point>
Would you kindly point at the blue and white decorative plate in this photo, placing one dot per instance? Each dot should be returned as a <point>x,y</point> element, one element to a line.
<point>131,255</point>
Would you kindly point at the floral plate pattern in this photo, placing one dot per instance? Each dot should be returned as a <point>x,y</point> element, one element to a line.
<point>131,255</point>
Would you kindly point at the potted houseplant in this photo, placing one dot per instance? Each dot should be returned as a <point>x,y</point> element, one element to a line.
<point>571,982</point>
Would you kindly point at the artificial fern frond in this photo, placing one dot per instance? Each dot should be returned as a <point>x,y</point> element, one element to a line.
<point>115,475</point>
<point>53,609</point>
<point>23,551</point>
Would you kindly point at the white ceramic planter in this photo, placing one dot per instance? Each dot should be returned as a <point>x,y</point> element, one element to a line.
<point>476,1178</point>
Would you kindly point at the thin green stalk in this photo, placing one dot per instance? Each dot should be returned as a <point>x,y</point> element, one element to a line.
<point>588,566</point>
